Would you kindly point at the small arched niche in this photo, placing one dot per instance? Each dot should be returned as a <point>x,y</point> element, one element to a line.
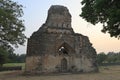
<point>65,49</point>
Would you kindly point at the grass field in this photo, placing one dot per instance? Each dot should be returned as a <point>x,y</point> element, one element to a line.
<point>106,73</point>
<point>14,64</point>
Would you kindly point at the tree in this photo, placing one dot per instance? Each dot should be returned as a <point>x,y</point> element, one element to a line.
<point>16,58</point>
<point>101,57</point>
<point>11,24</point>
<point>3,56</point>
<point>118,57</point>
<point>106,12</point>
<point>112,57</point>
<point>12,58</point>
<point>21,58</point>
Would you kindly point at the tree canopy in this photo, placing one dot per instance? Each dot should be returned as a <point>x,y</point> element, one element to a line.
<point>101,57</point>
<point>106,12</point>
<point>11,24</point>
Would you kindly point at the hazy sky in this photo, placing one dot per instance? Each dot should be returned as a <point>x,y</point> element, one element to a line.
<point>35,14</point>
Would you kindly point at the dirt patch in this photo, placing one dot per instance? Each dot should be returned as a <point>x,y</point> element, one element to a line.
<point>112,73</point>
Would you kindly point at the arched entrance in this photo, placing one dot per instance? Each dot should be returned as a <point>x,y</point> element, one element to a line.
<point>63,65</point>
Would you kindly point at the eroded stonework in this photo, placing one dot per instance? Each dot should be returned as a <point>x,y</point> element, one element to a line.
<point>55,47</point>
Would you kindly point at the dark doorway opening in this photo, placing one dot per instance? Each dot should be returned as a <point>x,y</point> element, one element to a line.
<point>64,65</point>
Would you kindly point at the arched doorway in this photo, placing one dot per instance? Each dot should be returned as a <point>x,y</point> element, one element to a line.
<point>63,65</point>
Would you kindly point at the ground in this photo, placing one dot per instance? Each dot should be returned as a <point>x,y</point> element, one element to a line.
<point>106,73</point>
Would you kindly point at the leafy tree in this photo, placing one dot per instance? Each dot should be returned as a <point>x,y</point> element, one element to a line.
<point>22,58</point>
<point>12,57</point>
<point>11,25</point>
<point>112,57</point>
<point>106,12</point>
<point>101,57</point>
<point>3,56</point>
<point>118,57</point>
<point>16,58</point>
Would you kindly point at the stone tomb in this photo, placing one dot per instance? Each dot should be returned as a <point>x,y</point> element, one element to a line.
<point>56,48</point>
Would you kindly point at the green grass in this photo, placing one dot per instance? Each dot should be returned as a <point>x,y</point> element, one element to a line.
<point>14,64</point>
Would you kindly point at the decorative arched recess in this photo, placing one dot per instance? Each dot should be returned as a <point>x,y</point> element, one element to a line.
<point>67,47</point>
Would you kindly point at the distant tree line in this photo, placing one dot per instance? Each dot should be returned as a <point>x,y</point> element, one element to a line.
<point>11,57</point>
<point>16,58</point>
<point>110,57</point>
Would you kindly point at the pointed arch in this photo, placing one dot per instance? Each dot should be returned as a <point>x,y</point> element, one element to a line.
<point>67,47</point>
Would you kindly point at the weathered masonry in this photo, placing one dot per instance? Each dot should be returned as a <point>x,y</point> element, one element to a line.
<point>55,47</point>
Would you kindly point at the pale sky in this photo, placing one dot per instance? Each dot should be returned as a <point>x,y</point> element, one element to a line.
<point>35,14</point>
